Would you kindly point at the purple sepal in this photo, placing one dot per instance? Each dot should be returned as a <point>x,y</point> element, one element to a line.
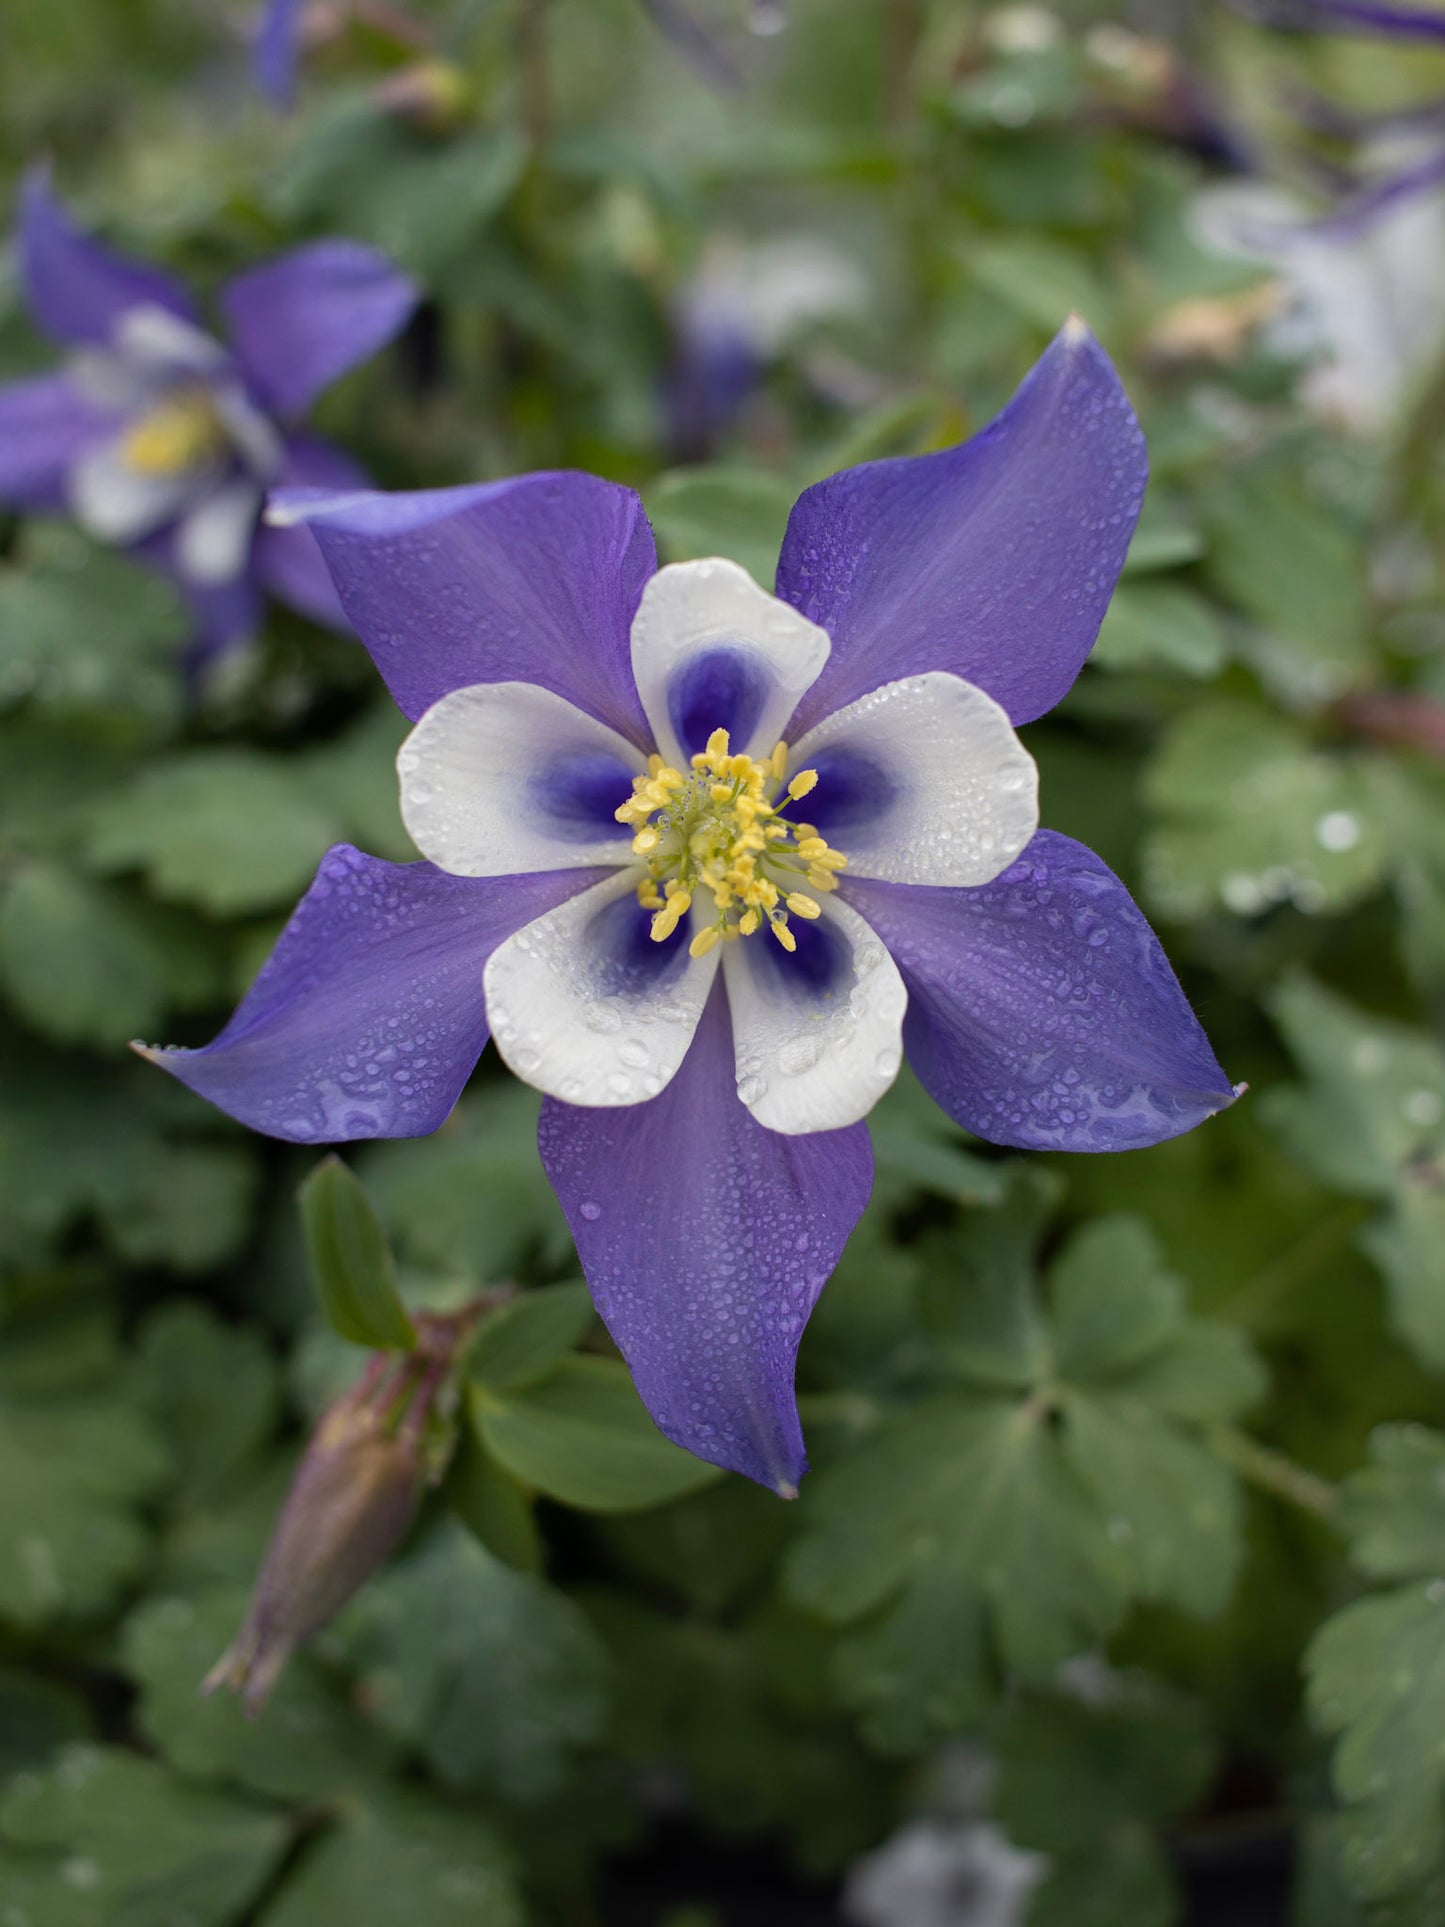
<point>287,561</point>
<point>274,51</point>
<point>45,423</point>
<point>1042,1011</point>
<point>368,1017</point>
<point>77,289</point>
<point>299,322</point>
<point>706,1240</point>
<point>533,580</point>
<point>994,560</point>
<point>1348,16</point>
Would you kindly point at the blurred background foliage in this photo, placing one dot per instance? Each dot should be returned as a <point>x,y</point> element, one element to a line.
<point>1118,1590</point>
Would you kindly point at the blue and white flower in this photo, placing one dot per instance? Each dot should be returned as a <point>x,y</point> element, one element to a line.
<point>705,861</point>
<point>157,437</point>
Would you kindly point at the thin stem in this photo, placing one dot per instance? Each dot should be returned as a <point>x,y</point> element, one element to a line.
<point>536,81</point>
<point>1272,1472</point>
<point>1293,1267</point>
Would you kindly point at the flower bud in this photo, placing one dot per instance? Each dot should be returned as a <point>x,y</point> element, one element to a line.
<point>351,1502</point>
<point>434,96</point>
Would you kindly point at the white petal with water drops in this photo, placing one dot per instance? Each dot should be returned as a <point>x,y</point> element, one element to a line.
<point>484,779</point>
<point>810,1059</point>
<point>572,1019</point>
<point>956,791</point>
<point>691,609</point>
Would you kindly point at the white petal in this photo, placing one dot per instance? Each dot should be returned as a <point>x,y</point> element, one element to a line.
<point>504,777</point>
<point>213,541</point>
<point>153,337</point>
<point>114,503</point>
<point>705,627</point>
<point>921,781</point>
<point>255,440</point>
<point>818,1036</point>
<point>585,1007</point>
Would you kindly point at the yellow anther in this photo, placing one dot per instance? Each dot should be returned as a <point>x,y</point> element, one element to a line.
<point>178,433</point>
<point>712,826</point>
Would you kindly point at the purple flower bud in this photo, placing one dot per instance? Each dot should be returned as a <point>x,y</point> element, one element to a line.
<point>355,1495</point>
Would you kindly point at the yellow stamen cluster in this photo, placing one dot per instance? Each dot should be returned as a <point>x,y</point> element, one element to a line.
<point>720,826</point>
<point>180,432</point>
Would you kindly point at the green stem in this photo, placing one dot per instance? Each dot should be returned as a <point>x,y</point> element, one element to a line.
<point>1272,1472</point>
<point>1294,1266</point>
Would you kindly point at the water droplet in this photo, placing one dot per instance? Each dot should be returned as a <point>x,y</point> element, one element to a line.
<point>589,1210</point>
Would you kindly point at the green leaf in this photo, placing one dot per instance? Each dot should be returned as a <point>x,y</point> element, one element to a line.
<point>583,1435</point>
<point>1161,625</point>
<point>1250,817</point>
<point>1393,1510</point>
<point>493,1675</point>
<point>310,1745</point>
<point>213,1390</point>
<point>397,1859</point>
<point>1167,536</point>
<point>473,1201</point>
<point>1087,1779</point>
<point>1376,1676</point>
<point>228,829</point>
<point>75,962</point>
<point>526,1339</point>
<point>1023,1511</point>
<point>1370,1120</point>
<point>736,512</point>
<point>107,1839</point>
<point>74,1475</point>
<point>351,1263</point>
<point>493,1505</point>
<point>1292,562</point>
<point>36,1716</point>
<point>91,635</point>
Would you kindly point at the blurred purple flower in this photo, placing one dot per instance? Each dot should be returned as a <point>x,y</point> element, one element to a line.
<point>276,49</point>
<point>158,438</point>
<point>621,887</point>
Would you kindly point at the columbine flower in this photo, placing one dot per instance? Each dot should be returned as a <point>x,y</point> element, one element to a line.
<point>705,860</point>
<point>158,438</point>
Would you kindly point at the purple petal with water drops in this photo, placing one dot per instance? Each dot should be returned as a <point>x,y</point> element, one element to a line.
<point>368,1017</point>
<point>530,580</point>
<point>77,289</point>
<point>45,423</point>
<point>705,1240</point>
<point>1042,1011</point>
<point>275,50</point>
<point>994,560</point>
<point>299,322</point>
<point>288,561</point>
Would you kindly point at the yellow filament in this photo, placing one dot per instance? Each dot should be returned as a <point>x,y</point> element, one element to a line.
<point>178,433</point>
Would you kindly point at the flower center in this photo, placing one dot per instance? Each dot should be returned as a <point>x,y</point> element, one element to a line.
<point>720,826</point>
<point>180,432</point>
